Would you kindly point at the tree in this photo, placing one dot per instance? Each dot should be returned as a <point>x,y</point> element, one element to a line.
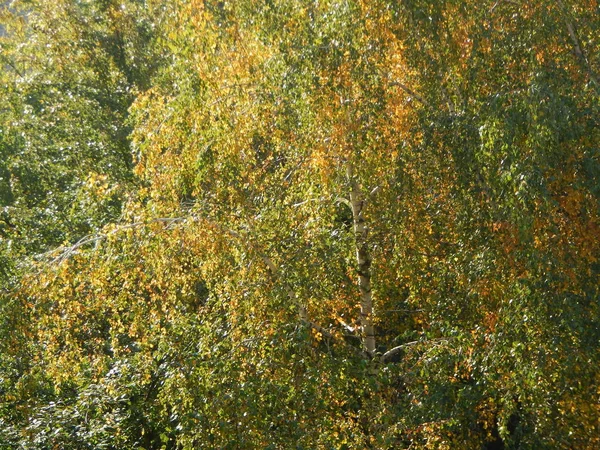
<point>360,225</point>
<point>71,71</point>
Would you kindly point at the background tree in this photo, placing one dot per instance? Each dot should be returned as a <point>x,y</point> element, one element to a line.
<point>70,71</point>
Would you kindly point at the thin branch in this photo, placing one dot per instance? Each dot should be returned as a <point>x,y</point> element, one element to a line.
<point>66,251</point>
<point>344,201</point>
<point>13,66</point>
<point>325,332</point>
<point>346,326</point>
<point>502,1</point>
<point>412,93</point>
<point>390,354</point>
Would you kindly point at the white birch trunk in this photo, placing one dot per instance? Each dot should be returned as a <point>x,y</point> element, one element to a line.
<point>363,259</point>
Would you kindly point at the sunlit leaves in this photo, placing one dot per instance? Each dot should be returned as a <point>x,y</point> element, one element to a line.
<point>218,307</point>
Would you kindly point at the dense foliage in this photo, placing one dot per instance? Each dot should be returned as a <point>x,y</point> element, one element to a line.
<point>300,224</point>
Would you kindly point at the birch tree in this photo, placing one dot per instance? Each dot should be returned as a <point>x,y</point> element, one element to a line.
<point>358,225</point>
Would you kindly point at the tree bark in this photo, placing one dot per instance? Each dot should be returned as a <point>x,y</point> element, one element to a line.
<point>363,259</point>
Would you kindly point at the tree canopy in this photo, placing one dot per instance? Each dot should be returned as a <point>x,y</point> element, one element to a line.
<point>300,224</point>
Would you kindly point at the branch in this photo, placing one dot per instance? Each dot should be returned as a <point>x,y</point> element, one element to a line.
<point>13,66</point>
<point>344,201</point>
<point>577,46</point>
<point>325,332</point>
<point>502,1</point>
<point>66,251</point>
<point>390,354</point>
<point>409,91</point>
<point>346,326</point>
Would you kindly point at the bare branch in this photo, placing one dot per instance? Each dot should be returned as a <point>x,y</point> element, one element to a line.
<point>502,1</point>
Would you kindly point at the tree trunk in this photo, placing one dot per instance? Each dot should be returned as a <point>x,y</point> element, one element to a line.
<point>363,259</point>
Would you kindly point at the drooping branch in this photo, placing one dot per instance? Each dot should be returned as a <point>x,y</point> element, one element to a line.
<point>61,254</point>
